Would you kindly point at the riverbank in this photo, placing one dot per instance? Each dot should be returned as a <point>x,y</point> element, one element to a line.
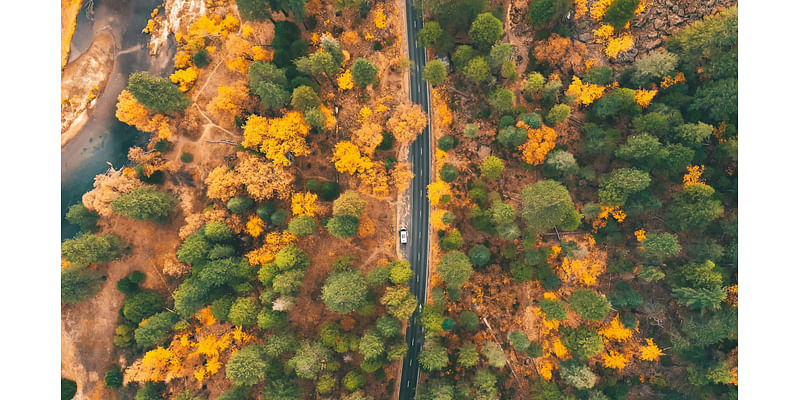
<point>82,81</point>
<point>69,15</point>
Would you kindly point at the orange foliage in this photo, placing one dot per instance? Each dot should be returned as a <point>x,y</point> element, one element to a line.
<point>692,177</point>
<point>380,19</point>
<point>277,137</point>
<point>733,296</point>
<point>640,235</point>
<point>273,243</point>
<point>613,359</point>
<point>263,180</point>
<point>229,102</point>
<point>599,9</point>
<point>440,105</point>
<point>585,271</point>
<point>348,159</point>
<point>157,365</point>
<point>580,8</point>
<point>205,317</point>
<point>222,184</point>
<point>132,113</point>
<point>436,220</point>
<point>669,81</point>
<point>605,212</point>
<point>345,80</point>
<point>304,204</point>
<point>407,122</point>
<point>374,181</point>
<point>330,119</point>
<point>618,45</point>
<point>368,137</point>
<point>651,352</point>
<point>540,142</point>
<point>401,176</point>
<point>182,59</point>
<point>604,31</point>
<point>184,78</point>
<point>546,370</point>
<point>643,97</point>
<point>565,53</point>
<point>255,226</point>
<point>616,331</point>
<point>585,93</point>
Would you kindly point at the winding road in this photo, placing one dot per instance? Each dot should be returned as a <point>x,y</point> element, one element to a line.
<point>420,158</point>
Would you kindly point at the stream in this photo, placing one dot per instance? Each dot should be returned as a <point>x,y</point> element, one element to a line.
<point>104,139</point>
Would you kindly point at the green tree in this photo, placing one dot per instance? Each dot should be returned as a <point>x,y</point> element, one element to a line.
<point>434,72</point>
<point>694,135</point>
<point>620,12</point>
<point>621,183</point>
<point>501,99</point>
<point>157,94</point>
<point>467,355</point>
<point>350,203</point>
<point>254,10</point>
<point>141,305</point>
<point>653,67</point>
<point>364,72</point>
<point>502,213</point>
<point>272,319</point>
<point>269,83</point>
<point>218,232</point>
<point>194,249</point>
<point>540,12</point>
<point>534,83</point>
<point>308,360</point>
<point>326,383</point>
<point>561,163</point>
<point>279,217</point>
<point>113,378</point>
<point>622,101</point>
<point>314,118</point>
<point>81,216</point>
<point>448,173</point>
<point>454,268</point>
<point>155,329</point>
<point>429,34</point>
<point>486,30</point>
<point>433,356</point>
<point>658,246</point>
<point>494,354</point>
<point>579,376</point>
<point>239,204</point>
<point>317,64</point>
<point>304,98</point>
<point>553,309</point>
<point>344,291</point>
<point>90,248</point>
<point>343,226</point>
<point>151,391</point>
<point>281,389</point>
<point>544,390</point>
<point>451,241</point>
<point>545,204</point>
<point>399,302</point>
<point>718,100</point>
<point>694,208</point>
<point>558,114</point>
<point>519,340</point>
<point>68,389</point>
<point>303,225</point>
<point>641,150</point>
<point>600,75</point>
<point>247,366</point>
<point>371,345</point>
<point>469,320</point>
<point>499,54</point>
<point>387,326</point>
<point>243,312</point>
<point>447,142</point>
<point>145,203</point>
<point>582,342</point>
<point>463,55</point>
<point>400,272</point>
<point>354,380</point>
<point>479,255</point>
<point>79,283</point>
<point>512,136</point>
<point>476,70</point>
<point>289,282</point>
<point>471,131</point>
<point>492,168</point>
<point>589,305</point>
<point>702,298</point>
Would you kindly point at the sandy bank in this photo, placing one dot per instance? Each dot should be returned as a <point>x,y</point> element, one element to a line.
<point>82,81</point>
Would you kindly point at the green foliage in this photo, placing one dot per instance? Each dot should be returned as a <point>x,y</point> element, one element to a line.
<point>448,173</point>
<point>433,356</point>
<point>429,34</point>
<point>247,366</point>
<point>476,69</point>
<point>519,340</point>
<point>279,217</point>
<point>468,320</point>
<point>434,72</point>
<point>620,12</point>
<point>201,58</point>
<point>600,75</point>
<point>467,355</point>
<point>545,390</point>
<point>486,30</point>
<point>479,255</point>
<point>81,216</point>
<point>302,226</point>
<point>305,98</point>
<point>553,309</point>
<point>624,296</point>
<point>694,208</point>
<point>471,131</point>
<point>717,100</point>
<point>658,246</point>
<point>271,319</point>
<point>621,183</point>
<point>343,226</point>
<point>68,389</point>
<point>239,204</point>
<point>145,203</point>
<point>113,378</point>
<point>463,55</point>
<point>579,376</point>
<point>702,299</point>
<point>326,383</point>
<point>540,12</point>
<point>500,53</point>
<point>494,354</point>
<point>694,135</point>
<point>399,302</point>
<point>534,83</point>
<point>583,341</point>
<point>387,326</point>
<point>344,291</point>
<point>512,136</point>
<point>243,311</point>
<point>218,232</point>
<point>521,272</point>
<point>314,118</point>
<point>157,94</point>
<point>151,391</point>
<point>354,380</point>
<point>269,83</point>
<point>91,249</point>
<point>642,150</point>
<point>364,72</point>
<point>141,305</point>
<point>400,272</point>
<point>589,305</point>
<point>451,241</point>
<point>378,276</point>
<point>560,163</point>
<point>155,329</point>
<point>282,389</point>
<point>254,10</point>
<point>545,205</point>
<point>371,345</point>
<point>622,101</point>
<point>502,100</point>
<point>447,142</point>
<point>194,249</point>
<point>350,203</point>
<point>558,114</point>
<point>454,268</point>
<point>79,283</point>
<point>650,274</point>
<point>653,67</point>
<point>307,362</point>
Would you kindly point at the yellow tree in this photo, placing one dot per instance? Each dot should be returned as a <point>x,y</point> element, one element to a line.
<point>277,137</point>
<point>540,142</point>
<point>348,159</point>
<point>229,102</point>
<point>437,190</point>
<point>222,184</point>
<point>407,122</point>
<point>263,180</point>
<point>132,113</point>
<point>368,137</point>
<point>402,176</point>
<point>255,226</point>
<point>584,93</point>
<point>304,204</point>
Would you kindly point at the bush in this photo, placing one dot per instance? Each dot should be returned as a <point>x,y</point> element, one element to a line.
<point>519,340</point>
<point>145,203</point>
<point>91,249</point>
<point>558,114</point>
<point>447,142</point>
<point>451,241</point>
<point>68,389</point>
<point>364,72</point>
<point>81,216</point>
<point>492,168</point>
<point>553,309</point>
<point>303,226</point>
<point>620,12</point>
<point>354,380</point>
<point>279,217</point>
<point>113,378</point>
<point>201,58</point>
<point>386,141</point>
<point>589,305</point>
<point>187,157</point>
<point>471,131</point>
<point>469,320</point>
<point>448,173</point>
<point>479,255</point>
<point>329,191</point>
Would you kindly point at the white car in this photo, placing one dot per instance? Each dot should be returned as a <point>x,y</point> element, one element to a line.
<point>403,235</point>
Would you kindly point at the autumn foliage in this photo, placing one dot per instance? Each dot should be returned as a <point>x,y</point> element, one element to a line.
<point>277,137</point>
<point>540,142</point>
<point>407,122</point>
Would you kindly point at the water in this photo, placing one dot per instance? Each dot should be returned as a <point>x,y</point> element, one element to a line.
<point>104,139</point>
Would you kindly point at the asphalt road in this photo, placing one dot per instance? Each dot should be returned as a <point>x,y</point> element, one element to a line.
<point>420,158</point>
